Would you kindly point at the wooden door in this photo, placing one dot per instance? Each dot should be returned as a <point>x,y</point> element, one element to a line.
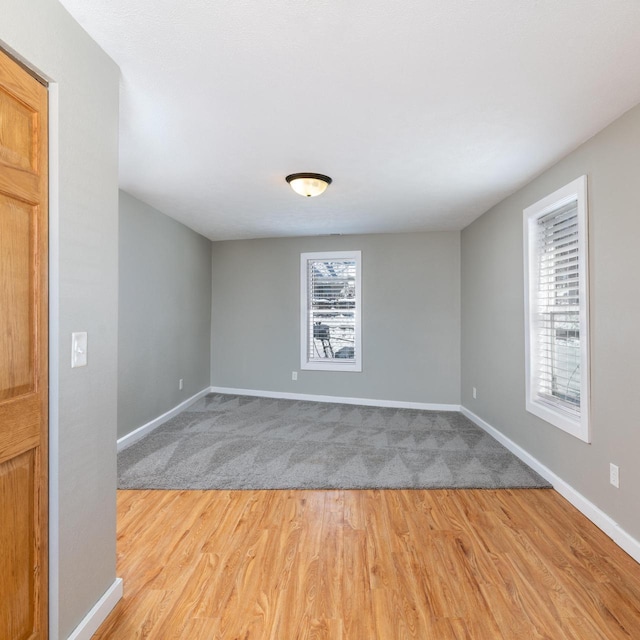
<point>23,354</point>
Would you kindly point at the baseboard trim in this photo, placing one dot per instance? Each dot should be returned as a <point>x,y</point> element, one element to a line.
<point>585,506</point>
<point>367,402</point>
<point>99,612</point>
<point>142,431</point>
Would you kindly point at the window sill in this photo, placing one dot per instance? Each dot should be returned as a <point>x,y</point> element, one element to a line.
<point>331,366</point>
<point>577,427</point>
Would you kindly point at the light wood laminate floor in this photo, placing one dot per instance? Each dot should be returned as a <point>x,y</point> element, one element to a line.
<point>363,565</point>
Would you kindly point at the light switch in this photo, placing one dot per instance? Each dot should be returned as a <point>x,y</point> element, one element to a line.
<point>79,349</point>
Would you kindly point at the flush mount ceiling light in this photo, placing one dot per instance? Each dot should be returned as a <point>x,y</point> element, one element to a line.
<point>308,184</point>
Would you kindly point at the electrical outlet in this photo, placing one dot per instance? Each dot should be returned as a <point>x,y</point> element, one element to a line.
<point>294,375</point>
<point>180,384</point>
<point>614,475</point>
<point>475,393</point>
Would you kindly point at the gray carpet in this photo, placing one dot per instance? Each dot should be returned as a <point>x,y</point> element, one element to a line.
<point>241,442</point>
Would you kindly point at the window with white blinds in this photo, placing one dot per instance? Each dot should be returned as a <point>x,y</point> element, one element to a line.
<point>556,309</point>
<point>330,311</point>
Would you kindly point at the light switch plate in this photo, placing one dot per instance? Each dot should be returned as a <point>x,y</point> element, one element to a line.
<point>79,349</point>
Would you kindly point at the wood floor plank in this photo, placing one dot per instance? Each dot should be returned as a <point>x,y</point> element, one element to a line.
<point>330,566</point>
<point>358,620</point>
<point>363,565</point>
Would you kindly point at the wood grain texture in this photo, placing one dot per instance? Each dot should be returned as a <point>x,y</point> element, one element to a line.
<point>23,354</point>
<point>359,565</point>
<point>16,298</point>
<point>17,508</point>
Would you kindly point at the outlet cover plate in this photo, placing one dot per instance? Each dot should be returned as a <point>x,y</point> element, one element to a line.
<point>614,475</point>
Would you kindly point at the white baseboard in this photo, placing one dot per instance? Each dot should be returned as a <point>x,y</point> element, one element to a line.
<point>585,506</point>
<point>99,612</point>
<point>142,431</point>
<point>367,402</point>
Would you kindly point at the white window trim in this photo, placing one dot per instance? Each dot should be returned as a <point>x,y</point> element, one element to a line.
<point>576,191</point>
<point>305,364</point>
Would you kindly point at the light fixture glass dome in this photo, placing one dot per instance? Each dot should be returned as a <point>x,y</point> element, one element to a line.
<point>308,184</point>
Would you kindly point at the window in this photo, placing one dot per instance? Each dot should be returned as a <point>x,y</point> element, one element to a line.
<point>330,311</point>
<point>556,309</point>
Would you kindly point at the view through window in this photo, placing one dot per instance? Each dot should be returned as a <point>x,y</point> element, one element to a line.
<point>331,311</point>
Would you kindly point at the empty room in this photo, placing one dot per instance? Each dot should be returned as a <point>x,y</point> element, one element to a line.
<point>312,321</point>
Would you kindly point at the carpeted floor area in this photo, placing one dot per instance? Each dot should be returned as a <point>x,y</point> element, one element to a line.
<point>242,442</point>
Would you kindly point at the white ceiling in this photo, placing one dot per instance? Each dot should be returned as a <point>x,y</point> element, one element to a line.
<point>424,112</point>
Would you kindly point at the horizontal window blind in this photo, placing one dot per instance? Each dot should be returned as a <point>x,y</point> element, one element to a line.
<point>557,313</point>
<point>331,304</point>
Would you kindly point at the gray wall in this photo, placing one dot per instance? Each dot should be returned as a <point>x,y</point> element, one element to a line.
<point>493,322</point>
<point>164,313</point>
<point>410,317</point>
<point>84,297</point>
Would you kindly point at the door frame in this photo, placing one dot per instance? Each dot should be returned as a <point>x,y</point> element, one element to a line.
<point>54,362</point>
